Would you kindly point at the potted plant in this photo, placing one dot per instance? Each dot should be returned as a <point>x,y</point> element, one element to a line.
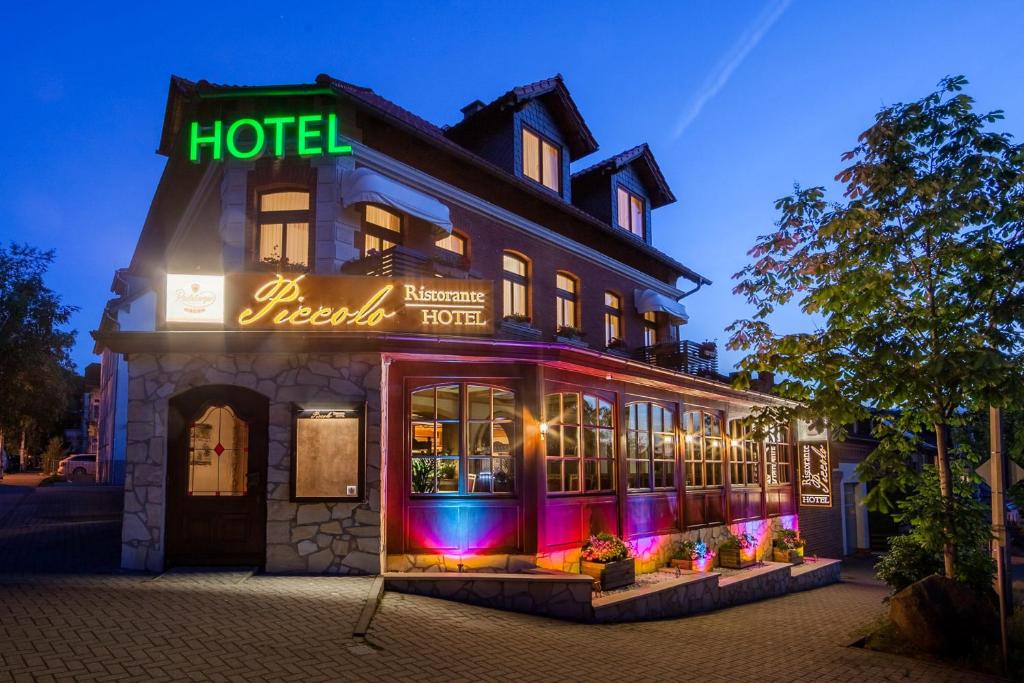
<point>737,550</point>
<point>693,555</point>
<point>517,318</point>
<point>569,332</point>
<point>787,546</point>
<point>608,559</point>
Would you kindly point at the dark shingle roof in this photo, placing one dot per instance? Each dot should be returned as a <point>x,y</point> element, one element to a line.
<point>657,186</point>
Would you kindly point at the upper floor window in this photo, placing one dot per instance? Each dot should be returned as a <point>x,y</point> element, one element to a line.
<point>778,456</point>
<point>650,445</point>
<point>515,286</point>
<point>462,439</point>
<point>566,301</point>
<point>704,448</point>
<point>454,243</point>
<point>630,208</point>
<point>382,229</point>
<point>282,232</point>
<point>541,160</point>
<point>745,460</point>
<point>580,434</point>
<point>612,318</point>
<point>650,328</point>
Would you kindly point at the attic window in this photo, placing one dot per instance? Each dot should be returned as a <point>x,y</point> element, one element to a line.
<point>630,212</point>
<point>541,160</point>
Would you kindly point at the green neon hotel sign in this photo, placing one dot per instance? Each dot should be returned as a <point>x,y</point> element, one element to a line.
<point>248,138</point>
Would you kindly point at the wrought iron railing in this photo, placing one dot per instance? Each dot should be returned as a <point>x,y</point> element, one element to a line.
<point>399,261</point>
<point>686,356</point>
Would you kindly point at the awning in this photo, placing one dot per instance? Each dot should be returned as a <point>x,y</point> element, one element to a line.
<point>365,185</point>
<point>648,301</point>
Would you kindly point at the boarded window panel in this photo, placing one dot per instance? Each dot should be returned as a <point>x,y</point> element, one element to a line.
<point>271,242</point>
<point>551,172</point>
<point>284,201</point>
<point>298,244</point>
<point>327,457</point>
<point>531,155</point>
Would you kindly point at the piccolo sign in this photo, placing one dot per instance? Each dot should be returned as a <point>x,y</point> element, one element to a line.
<point>248,138</point>
<point>815,474</point>
<point>286,301</point>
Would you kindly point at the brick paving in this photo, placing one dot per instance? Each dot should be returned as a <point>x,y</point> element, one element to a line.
<point>231,625</point>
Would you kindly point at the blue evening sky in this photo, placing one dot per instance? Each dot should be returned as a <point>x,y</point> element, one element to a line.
<point>738,100</point>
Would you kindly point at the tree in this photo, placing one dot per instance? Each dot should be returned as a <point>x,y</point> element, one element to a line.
<point>35,347</point>
<point>930,222</point>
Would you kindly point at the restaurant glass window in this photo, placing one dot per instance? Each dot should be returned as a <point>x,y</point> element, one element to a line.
<point>745,454</point>
<point>778,456</point>
<point>650,328</point>
<point>612,318</point>
<point>282,229</point>
<point>704,449</point>
<point>515,286</point>
<point>454,243</point>
<point>579,443</point>
<point>458,428</point>
<point>541,160</point>
<point>218,454</point>
<point>566,301</point>
<point>382,229</point>
<point>630,211</point>
<point>650,446</point>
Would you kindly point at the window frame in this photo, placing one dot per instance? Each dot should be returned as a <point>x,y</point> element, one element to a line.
<point>613,313</point>
<point>743,445</point>
<point>785,451</point>
<point>513,279</point>
<point>573,298</point>
<point>284,219</point>
<point>541,141</point>
<point>651,435</point>
<point>464,457</point>
<point>454,235</point>
<point>650,328</point>
<point>630,196</point>
<point>381,233</point>
<point>354,407</point>
<point>697,441</point>
<point>582,458</point>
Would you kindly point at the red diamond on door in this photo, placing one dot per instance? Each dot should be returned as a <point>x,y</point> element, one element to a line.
<point>218,449</point>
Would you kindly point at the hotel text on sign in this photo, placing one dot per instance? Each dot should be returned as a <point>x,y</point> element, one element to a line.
<point>815,475</point>
<point>295,301</point>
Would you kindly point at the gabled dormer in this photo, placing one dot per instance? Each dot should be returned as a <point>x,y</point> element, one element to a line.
<point>534,131</point>
<point>622,190</point>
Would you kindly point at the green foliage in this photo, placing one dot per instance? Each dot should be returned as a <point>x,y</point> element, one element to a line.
<point>692,550</point>
<point>788,539</point>
<point>914,280</point>
<point>54,453</point>
<point>907,562</point>
<point>35,362</point>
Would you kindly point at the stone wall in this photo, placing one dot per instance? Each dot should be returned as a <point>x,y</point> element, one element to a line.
<point>332,538</point>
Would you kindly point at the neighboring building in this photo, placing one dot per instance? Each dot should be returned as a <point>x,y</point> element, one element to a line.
<point>350,340</point>
<point>81,420</point>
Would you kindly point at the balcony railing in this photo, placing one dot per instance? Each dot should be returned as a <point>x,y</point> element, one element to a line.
<point>686,356</point>
<point>399,261</point>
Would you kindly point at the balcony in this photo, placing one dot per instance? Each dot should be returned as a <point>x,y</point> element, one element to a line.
<point>399,261</point>
<point>690,357</point>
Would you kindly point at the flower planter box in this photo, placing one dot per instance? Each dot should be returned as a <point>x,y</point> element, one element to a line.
<point>735,558</point>
<point>610,574</point>
<point>795,556</point>
<point>702,565</point>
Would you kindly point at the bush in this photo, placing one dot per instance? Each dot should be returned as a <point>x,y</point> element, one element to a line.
<point>907,562</point>
<point>53,454</point>
<point>605,548</point>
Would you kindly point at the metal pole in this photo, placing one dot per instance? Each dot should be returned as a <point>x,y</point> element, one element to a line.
<point>999,522</point>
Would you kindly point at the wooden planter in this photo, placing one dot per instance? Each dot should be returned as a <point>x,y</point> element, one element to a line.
<point>795,556</point>
<point>611,574</point>
<point>702,565</point>
<point>734,558</point>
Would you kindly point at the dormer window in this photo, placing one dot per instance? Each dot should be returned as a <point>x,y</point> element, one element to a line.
<point>630,212</point>
<point>542,160</point>
<point>382,229</point>
<point>282,237</point>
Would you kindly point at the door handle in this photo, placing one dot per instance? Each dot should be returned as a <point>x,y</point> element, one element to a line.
<point>252,481</point>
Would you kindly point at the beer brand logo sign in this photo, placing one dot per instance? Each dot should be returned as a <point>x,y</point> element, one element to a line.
<point>285,301</point>
<point>195,299</point>
<point>815,475</point>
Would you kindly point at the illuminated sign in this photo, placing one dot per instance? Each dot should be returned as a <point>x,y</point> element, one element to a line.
<point>287,301</point>
<point>248,138</point>
<point>194,299</point>
<point>815,475</point>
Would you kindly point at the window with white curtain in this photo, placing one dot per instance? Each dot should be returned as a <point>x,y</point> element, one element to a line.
<point>282,235</point>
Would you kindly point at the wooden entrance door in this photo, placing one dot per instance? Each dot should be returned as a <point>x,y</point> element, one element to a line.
<point>216,477</point>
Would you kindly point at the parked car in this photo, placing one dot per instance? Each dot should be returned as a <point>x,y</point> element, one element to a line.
<point>78,467</point>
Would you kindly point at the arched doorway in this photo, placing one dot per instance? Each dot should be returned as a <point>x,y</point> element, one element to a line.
<point>216,477</point>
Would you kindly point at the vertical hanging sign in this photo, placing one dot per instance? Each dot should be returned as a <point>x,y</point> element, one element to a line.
<point>815,474</point>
